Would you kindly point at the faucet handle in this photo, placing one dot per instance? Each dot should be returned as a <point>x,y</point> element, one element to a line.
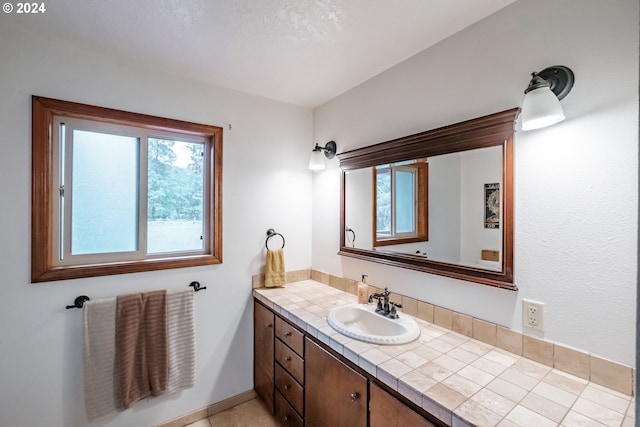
<point>393,313</point>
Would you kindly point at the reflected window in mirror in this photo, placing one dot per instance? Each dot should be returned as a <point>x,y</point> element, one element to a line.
<point>400,209</point>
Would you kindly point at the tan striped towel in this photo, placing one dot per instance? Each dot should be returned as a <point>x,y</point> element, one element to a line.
<point>98,353</point>
<point>141,345</point>
<point>181,340</point>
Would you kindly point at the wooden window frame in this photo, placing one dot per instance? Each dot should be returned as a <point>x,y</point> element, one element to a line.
<point>43,268</point>
<point>422,209</point>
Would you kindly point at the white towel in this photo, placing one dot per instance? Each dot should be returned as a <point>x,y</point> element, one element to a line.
<point>98,351</point>
<point>181,340</point>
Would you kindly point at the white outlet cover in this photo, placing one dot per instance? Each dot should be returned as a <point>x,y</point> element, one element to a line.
<point>533,314</point>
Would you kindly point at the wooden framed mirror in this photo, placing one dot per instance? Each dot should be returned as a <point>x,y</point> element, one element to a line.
<point>463,196</point>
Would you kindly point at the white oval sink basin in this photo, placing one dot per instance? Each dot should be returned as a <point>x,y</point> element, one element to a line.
<point>361,322</point>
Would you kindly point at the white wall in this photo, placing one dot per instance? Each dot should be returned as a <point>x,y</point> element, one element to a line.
<point>444,208</point>
<point>575,211</point>
<point>265,184</point>
<point>359,207</point>
<point>479,167</point>
<point>576,190</point>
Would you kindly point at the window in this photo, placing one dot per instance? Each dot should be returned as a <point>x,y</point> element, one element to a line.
<point>116,192</point>
<point>400,207</point>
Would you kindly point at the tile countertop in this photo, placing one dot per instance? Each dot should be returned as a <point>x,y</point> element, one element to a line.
<point>460,380</point>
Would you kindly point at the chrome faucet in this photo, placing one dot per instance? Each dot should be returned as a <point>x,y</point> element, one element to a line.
<point>385,307</point>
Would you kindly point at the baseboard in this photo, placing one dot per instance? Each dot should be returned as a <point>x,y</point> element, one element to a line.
<point>210,410</point>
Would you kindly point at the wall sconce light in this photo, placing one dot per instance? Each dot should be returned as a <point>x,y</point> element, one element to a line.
<point>316,162</point>
<point>541,106</point>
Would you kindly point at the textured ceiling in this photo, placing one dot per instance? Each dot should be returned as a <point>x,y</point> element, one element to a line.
<point>304,52</point>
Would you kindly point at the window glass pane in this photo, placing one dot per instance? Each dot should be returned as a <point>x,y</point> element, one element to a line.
<point>104,209</point>
<point>383,202</point>
<point>405,203</point>
<point>175,196</point>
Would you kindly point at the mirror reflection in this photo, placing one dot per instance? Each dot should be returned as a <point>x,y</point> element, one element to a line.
<point>439,201</point>
<point>444,208</point>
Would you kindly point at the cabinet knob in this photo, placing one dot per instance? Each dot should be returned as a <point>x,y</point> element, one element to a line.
<point>287,358</point>
<point>286,386</point>
<point>286,418</point>
<point>270,325</point>
<point>354,396</point>
<point>288,334</point>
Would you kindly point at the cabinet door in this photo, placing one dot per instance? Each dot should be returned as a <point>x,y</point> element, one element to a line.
<point>263,356</point>
<point>335,395</point>
<point>387,411</point>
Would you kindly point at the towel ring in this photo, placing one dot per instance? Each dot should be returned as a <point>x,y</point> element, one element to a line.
<point>270,233</point>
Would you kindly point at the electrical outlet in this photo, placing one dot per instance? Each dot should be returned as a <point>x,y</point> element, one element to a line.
<point>533,314</point>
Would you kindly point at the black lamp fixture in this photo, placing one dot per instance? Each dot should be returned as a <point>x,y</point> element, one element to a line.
<point>541,106</point>
<point>316,162</point>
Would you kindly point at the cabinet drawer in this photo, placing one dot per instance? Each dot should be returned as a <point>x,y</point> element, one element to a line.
<point>285,414</point>
<point>290,361</point>
<point>290,389</point>
<point>290,336</point>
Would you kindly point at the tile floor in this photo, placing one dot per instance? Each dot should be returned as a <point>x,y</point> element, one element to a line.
<point>249,414</point>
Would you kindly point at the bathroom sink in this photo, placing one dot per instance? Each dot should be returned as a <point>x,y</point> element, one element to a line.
<point>361,322</point>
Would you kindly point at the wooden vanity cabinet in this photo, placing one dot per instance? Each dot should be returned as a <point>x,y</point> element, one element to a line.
<point>387,411</point>
<point>279,366</point>
<point>263,353</point>
<point>336,395</point>
<point>304,384</point>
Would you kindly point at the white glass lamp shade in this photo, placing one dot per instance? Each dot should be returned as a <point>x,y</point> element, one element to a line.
<point>316,160</point>
<point>541,108</point>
